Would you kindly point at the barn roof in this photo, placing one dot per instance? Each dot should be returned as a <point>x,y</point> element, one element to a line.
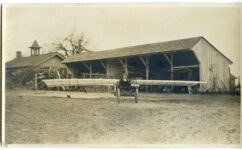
<point>181,44</point>
<point>31,60</point>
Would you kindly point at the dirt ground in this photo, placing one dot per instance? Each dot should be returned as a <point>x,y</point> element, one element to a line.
<point>158,119</point>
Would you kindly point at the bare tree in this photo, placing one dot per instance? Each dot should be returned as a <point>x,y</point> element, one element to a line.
<point>71,44</point>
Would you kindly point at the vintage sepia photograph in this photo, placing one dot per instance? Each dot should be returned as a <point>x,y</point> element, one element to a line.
<point>121,75</point>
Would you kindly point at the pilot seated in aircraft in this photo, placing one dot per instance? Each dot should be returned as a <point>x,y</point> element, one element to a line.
<point>125,86</point>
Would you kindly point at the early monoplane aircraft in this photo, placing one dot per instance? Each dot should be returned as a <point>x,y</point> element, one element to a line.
<point>117,84</point>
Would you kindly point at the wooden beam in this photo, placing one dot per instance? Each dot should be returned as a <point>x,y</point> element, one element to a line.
<point>170,60</point>
<point>146,64</point>
<point>121,61</point>
<point>89,68</point>
<point>104,65</point>
<point>167,58</point>
<point>147,68</point>
<point>143,61</point>
<point>85,64</point>
<point>184,67</point>
<point>124,64</point>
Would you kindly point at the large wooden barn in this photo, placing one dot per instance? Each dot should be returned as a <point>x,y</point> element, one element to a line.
<point>185,59</point>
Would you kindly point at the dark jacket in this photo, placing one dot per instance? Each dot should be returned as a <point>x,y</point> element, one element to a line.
<point>125,85</point>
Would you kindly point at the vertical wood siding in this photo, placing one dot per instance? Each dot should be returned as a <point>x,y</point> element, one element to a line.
<point>210,57</point>
<point>54,61</point>
<point>114,69</point>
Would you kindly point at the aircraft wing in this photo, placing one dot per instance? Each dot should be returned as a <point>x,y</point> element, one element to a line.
<point>107,82</point>
<point>79,82</point>
<point>167,82</point>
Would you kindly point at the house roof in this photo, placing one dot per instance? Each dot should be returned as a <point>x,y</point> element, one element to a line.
<point>31,60</point>
<point>181,44</point>
<point>35,45</point>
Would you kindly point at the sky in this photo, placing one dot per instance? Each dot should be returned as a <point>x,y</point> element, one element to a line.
<point>108,26</point>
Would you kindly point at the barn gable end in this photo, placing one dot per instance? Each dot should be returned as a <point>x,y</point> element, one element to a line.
<point>214,66</point>
<point>54,61</point>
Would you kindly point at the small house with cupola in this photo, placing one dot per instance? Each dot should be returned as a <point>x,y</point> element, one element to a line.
<point>35,62</point>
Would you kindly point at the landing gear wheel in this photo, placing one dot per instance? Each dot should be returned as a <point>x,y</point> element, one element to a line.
<point>136,95</point>
<point>118,95</point>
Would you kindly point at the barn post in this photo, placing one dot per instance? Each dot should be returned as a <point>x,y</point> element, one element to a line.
<point>172,67</point>
<point>105,67</point>
<point>125,65</point>
<point>90,70</point>
<point>171,62</point>
<point>35,81</point>
<point>70,71</point>
<point>147,68</point>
